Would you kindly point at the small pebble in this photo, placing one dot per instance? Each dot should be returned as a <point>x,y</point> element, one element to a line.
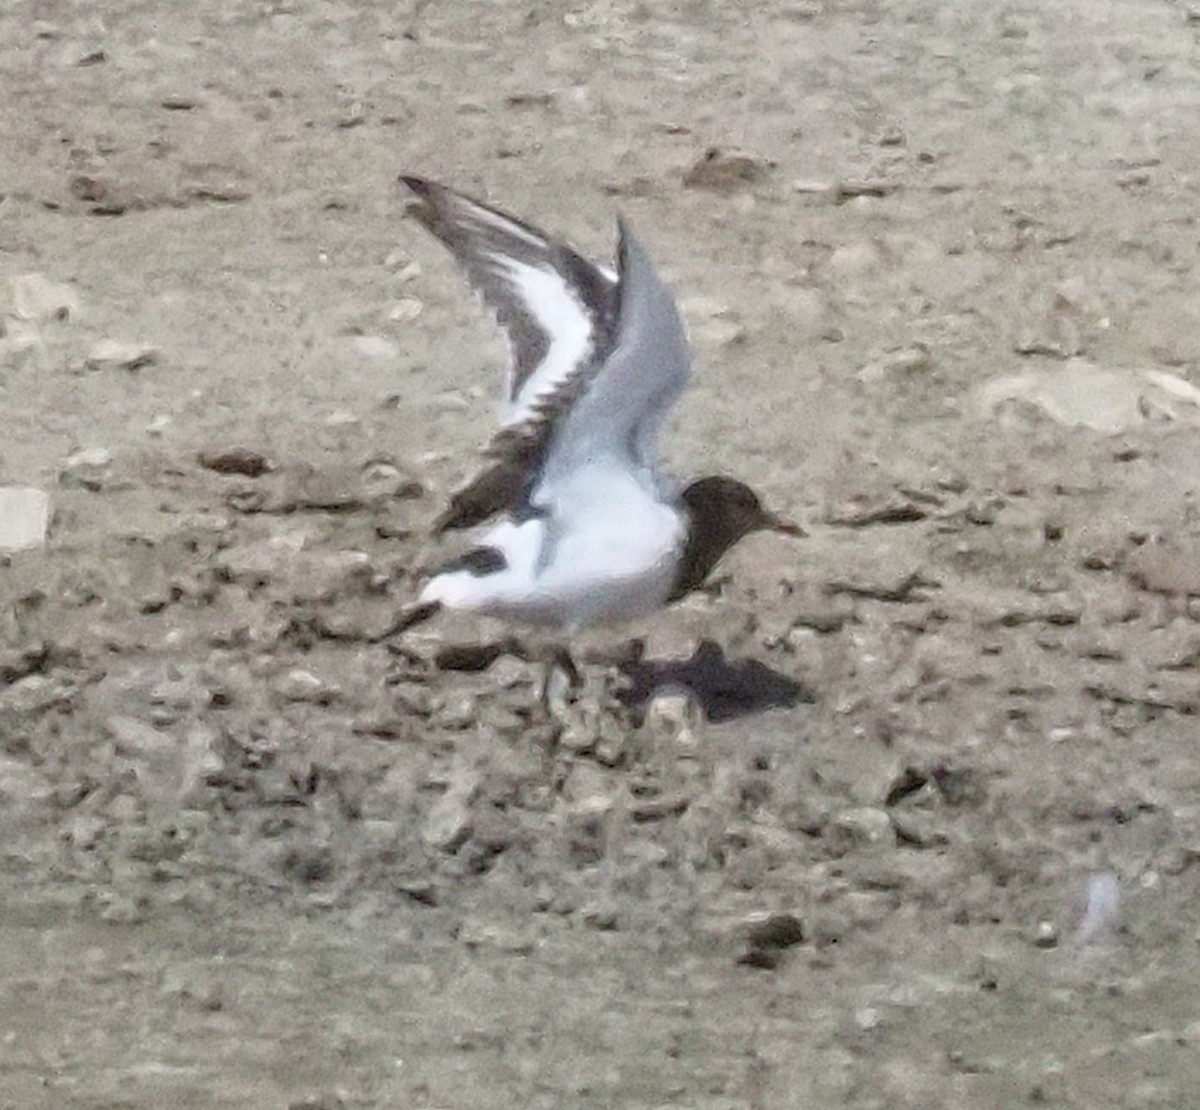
<point>407,308</point>
<point>864,827</point>
<point>674,724</point>
<point>772,929</point>
<point>907,360</point>
<point>613,746</point>
<point>813,188</point>
<point>1046,935</point>
<point>449,823</point>
<point>867,1018</point>
<point>113,354</point>
<point>580,734</point>
<point>724,171</point>
<point>36,298</point>
<point>178,102</point>
<point>88,468</point>
<point>1190,1035</point>
<point>376,346</point>
<point>587,826</point>
<point>304,686</point>
<point>236,460</point>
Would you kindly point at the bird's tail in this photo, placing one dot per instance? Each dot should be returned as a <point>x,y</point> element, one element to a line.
<point>410,616</point>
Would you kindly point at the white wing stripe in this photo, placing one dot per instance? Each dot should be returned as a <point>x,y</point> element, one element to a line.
<point>565,322</point>
<point>501,223</point>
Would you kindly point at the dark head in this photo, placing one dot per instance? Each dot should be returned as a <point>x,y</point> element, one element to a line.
<point>727,506</point>
<point>720,512</point>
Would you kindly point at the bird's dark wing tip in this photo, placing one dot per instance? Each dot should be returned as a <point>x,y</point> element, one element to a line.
<point>422,186</point>
<point>625,237</point>
<point>422,203</point>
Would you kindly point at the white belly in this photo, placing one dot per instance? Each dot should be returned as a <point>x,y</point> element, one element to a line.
<point>613,564</point>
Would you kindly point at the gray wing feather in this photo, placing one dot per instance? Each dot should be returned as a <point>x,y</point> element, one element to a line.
<point>621,411</point>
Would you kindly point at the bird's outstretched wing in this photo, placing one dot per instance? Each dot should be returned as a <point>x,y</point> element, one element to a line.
<point>597,359</point>
<point>617,417</point>
<point>558,313</point>
<point>555,307</point>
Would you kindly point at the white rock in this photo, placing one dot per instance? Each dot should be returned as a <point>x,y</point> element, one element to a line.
<point>674,723</point>
<point>813,187</point>
<point>1081,394</point>
<point>375,346</point>
<point>407,308</point>
<point>138,739</point>
<point>33,694</point>
<point>20,337</point>
<point>868,1019</point>
<point>24,517</point>
<point>1045,935</point>
<point>1174,386</point>
<point>88,467</point>
<point>84,830</point>
<point>35,297</point>
<point>113,354</point>
<point>700,307</point>
<point>200,758</point>
<point>304,686</point>
<point>450,402</point>
<point>450,823</point>
<point>401,262</point>
<point>865,826</point>
<point>906,360</point>
<point>581,728</point>
<point>713,324</point>
<point>719,332</point>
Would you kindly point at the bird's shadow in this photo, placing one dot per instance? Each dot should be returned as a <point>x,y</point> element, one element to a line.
<point>724,688</point>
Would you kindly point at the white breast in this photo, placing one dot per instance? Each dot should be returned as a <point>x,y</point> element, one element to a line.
<point>609,555</point>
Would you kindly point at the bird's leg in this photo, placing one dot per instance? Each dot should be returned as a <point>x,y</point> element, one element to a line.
<point>563,661</point>
<point>544,681</point>
<point>560,677</point>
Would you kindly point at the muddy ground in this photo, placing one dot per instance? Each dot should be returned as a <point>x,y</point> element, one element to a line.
<point>924,832</point>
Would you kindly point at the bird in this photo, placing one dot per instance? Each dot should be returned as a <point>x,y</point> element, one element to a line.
<point>586,530</point>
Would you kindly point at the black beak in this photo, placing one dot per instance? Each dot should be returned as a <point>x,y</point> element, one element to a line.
<point>773,523</point>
